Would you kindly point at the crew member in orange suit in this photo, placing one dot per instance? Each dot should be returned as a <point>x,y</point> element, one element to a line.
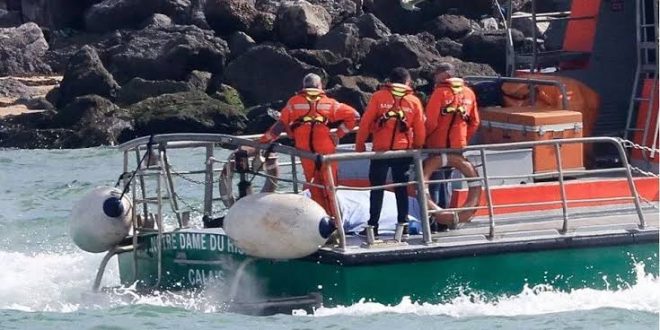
<point>306,118</point>
<point>451,119</point>
<point>395,120</point>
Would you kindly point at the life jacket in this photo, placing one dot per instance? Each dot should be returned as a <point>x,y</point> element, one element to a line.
<point>396,113</point>
<point>313,117</point>
<point>455,106</point>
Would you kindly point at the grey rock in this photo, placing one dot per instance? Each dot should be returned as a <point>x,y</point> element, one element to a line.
<point>266,73</point>
<point>185,112</point>
<point>138,89</point>
<point>10,18</point>
<point>166,53</point>
<point>199,80</point>
<point>259,120</point>
<point>227,16</point>
<point>397,50</point>
<point>300,24</point>
<point>263,26</point>
<point>110,15</point>
<point>95,121</point>
<point>489,24</point>
<point>489,48</point>
<point>84,75</point>
<point>36,103</point>
<point>157,21</point>
<point>324,59</point>
<point>239,43</point>
<point>12,88</point>
<point>54,14</point>
<point>448,47</point>
<point>454,27</point>
<point>339,10</point>
<point>22,50</point>
<point>369,26</point>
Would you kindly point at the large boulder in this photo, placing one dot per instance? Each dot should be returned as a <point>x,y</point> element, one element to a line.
<point>396,17</point>
<point>453,27</point>
<point>96,120</point>
<point>54,14</point>
<point>324,59</point>
<point>239,43</point>
<point>258,118</point>
<point>86,75</point>
<point>22,51</point>
<point>10,18</point>
<point>339,10</point>
<point>263,26</point>
<point>138,89</point>
<point>157,21</point>
<point>399,51</point>
<point>111,15</point>
<point>185,112</point>
<point>227,16</point>
<point>267,73</point>
<point>369,26</point>
<point>353,90</point>
<point>300,24</point>
<point>490,47</point>
<point>343,40</point>
<point>166,53</point>
<point>354,38</point>
<point>448,47</point>
<point>64,44</point>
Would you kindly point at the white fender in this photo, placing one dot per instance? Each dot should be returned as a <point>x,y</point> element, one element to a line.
<point>277,226</point>
<point>100,219</point>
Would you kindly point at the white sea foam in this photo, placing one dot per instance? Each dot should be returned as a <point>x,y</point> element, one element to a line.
<point>61,283</point>
<point>644,295</point>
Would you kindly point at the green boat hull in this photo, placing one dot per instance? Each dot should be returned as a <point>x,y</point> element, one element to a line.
<point>198,260</point>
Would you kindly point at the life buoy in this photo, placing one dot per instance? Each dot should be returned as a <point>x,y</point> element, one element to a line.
<point>458,162</point>
<point>225,184</point>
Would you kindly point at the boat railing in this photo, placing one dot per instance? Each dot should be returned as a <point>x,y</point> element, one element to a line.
<point>210,141</point>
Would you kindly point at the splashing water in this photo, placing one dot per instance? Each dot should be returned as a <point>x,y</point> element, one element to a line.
<point>540,299</point>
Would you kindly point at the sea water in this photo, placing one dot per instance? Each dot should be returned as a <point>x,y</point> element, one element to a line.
<point>45,280</point>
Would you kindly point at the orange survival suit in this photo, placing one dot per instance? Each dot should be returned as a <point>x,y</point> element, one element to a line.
<point>451,115</point>
<point>394,118</point>
<point>306,118</point>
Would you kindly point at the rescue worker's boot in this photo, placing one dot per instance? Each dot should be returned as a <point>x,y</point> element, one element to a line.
<point>364,231</point>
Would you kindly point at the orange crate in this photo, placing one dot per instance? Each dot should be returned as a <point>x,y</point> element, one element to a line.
<point>518,124</point>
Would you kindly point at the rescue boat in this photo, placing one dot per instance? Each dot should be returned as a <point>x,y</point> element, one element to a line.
<point>541,194</point>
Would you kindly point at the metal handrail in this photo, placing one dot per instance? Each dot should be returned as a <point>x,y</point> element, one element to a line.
<point>209,140</point>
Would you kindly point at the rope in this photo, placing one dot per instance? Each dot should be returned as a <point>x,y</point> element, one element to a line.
<point>128,184</point>
<point>269,150</point>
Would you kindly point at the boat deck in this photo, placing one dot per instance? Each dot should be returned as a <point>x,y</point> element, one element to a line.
<point>530,231</point>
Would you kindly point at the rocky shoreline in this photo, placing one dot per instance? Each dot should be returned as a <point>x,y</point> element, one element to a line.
<point>118,69</point>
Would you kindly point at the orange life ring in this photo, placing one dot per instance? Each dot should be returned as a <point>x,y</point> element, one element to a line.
<point>225,185</point>
<point>458,162</point>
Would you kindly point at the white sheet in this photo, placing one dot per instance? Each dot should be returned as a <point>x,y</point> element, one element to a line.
<point>354,205</point>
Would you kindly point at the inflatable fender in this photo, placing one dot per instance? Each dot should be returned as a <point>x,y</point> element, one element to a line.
<point>278,226</point>
<point>101,219</point>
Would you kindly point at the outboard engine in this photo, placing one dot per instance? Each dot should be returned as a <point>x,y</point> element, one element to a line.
<point>278,226</point>
<point>100,219</point>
